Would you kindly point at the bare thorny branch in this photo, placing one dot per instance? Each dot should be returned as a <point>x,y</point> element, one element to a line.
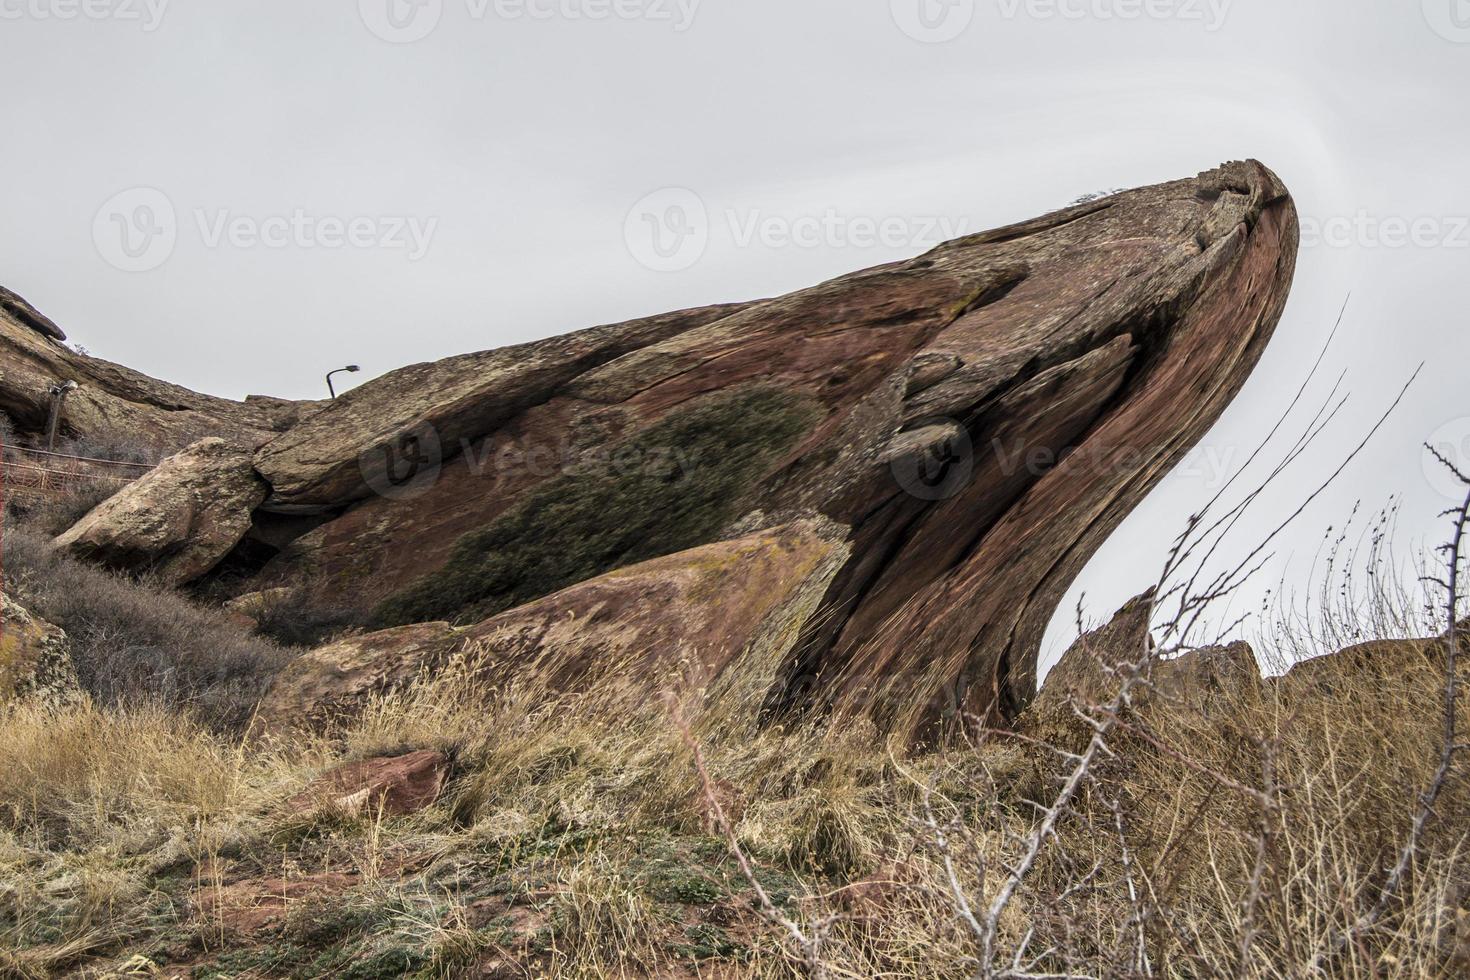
<point>808,946</point>
<point>1449,746</point>
<point>1201,534</point>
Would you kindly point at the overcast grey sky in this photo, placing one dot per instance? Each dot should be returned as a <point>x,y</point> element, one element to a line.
<point>238,196</point>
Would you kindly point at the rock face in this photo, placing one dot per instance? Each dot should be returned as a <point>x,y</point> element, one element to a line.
<point>979,418</point>
<point>179,520</point>
<point>712,623</point>
<point>113,404</point>
<point>346,454</point>
<point>35,661</point>
<point>1373,665</point>
<point>333,683</point>
<point>394,786</point>
<point>1198,680</point>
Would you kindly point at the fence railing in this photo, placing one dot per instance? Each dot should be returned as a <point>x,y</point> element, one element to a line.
<point>39,472</point>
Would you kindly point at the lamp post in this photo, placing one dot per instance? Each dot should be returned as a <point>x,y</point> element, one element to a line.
<point>53,421</point>
<point>351,369</point>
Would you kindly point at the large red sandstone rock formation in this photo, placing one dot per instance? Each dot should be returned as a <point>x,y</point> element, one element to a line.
<point>975,422</point>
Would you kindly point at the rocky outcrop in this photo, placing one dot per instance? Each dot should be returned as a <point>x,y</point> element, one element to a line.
<point>176,522</point>
<point>113,404</point>
<point>713,623</point>
<point>979,418</point>
<point>17,310</point>
<point>1200,680</point>
<point>35,660</point>
<point>1371,666</point>
<point>332,684</point>
<point>393,786</point>
<point>436,409</point>
<point>1209,686</point>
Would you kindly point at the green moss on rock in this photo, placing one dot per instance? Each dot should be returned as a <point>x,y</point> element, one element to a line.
<point>668,488</point>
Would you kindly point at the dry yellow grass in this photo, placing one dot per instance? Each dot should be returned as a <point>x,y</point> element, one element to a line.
<point>589,826</point>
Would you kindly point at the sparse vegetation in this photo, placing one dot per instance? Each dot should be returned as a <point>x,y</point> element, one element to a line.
<point>133,643</point>
<point>574,841</point>
<point>1298,826</point>
<point>667,488</point>
<point>295,616</point>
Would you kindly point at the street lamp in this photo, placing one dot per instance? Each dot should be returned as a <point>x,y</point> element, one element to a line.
<point>351,368</point>
<point>53,421</point>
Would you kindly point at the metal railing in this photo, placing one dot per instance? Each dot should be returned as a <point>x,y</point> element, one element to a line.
<point>44,473</point>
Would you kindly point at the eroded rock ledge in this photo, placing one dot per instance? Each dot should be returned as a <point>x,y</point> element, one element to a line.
<point>976,421</point>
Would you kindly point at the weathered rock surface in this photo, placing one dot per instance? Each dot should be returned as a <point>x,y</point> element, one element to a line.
<point>1371,665</point>
<point>344,454</point>
<point>179,520</point>
<point>113,404</point>
<point>681,624</point>
<point>332,684</point>
<point>394,786</point>
<point>1209,685</point>
<point>35,660</point>
<point>980,418</point>
<point>1201,680</point>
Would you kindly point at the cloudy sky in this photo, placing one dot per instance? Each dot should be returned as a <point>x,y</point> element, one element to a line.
<point>239,196</point>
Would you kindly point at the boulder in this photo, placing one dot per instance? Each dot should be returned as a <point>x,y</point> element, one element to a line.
<point>394,786</point>
<point>35,661</point>
<point>333,683</point>
<point>980,418</point>
<point>681,624</point>
<point>176,522</point>
<point>1381,679</point>
<point>1207,682</point>
<point>253,604</point>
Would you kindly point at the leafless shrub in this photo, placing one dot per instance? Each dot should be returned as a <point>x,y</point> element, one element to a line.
<point>57,512</point>
<point>132,642</point>
<point>298,617</point>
